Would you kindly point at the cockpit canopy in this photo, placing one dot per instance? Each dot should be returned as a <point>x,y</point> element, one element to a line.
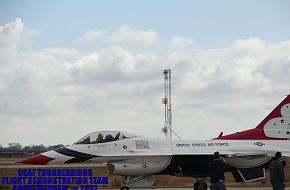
<point>104,136</point>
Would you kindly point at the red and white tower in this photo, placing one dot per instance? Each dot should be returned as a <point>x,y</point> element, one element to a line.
<point>167,130</point>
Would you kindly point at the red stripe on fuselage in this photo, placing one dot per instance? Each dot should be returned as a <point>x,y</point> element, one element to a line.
<point>38,159</point>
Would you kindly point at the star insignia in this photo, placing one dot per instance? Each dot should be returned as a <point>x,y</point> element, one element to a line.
<point>282,120</point>
<point>259,143</point>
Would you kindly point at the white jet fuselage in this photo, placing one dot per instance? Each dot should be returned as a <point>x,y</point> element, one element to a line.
<point>234,151</point>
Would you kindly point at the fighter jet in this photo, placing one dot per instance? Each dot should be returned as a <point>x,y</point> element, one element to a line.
<point>136,158</point>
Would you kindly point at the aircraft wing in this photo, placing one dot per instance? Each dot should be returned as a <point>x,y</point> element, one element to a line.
<point>233,153</point>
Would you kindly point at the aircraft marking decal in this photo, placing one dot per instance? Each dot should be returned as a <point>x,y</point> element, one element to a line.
<point>259,144</point>
<point>142,144</point>
<point>78,156</point>
<point>277,127</point>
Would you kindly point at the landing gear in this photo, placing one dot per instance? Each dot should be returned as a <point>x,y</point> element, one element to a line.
<point>124,188</point>
<point>137,181</point>
<point>200,184</point>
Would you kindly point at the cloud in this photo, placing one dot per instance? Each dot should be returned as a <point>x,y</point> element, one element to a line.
<point>180,42</point>
<point>125,35</point>
<point>128,35</point>
<point>252,45</point>
<point>12,34</point>
<point>91,36</point>
<point>60,52</point>
<point>57,89</point>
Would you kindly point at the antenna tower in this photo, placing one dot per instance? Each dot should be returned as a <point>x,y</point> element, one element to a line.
<point>167,130</point>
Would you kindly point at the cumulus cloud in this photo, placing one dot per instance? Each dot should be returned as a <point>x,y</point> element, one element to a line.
<point>91,36</point>
<point>60,52</point>
<point>117,87</point>
<point>250,45</point>
<point>113,64</point>
<point>180,42</point>
<point>12,34</point>
<point>127,34</point>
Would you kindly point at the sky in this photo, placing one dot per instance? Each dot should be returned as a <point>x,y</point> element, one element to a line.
<point>69,68</point>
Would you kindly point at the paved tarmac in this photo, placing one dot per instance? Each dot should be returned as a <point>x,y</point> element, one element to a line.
<point>228,188</point>
<point>12,163</point>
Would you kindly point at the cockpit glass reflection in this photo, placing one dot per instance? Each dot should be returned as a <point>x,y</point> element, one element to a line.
<point>104,136</point>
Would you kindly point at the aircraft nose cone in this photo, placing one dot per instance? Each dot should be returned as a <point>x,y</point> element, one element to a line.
<point>37,159</point>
